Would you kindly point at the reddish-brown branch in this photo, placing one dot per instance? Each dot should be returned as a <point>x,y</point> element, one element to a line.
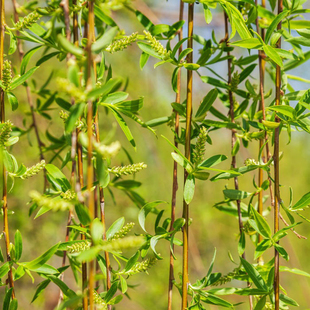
<point>4,173</point>
<point>233,139</point>
<point>277,175</point>
<point>175,165</point>
<point>189,103</point>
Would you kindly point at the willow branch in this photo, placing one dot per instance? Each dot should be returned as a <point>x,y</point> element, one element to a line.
<point>233,139</point>
<point>65,6</point>
<point>102,206</point>
<point>4,173</point>
<point>175,164</point>
<point>277,174</point>
<point>189,100</point>
<point>261,65</point>
<point>90,170</point>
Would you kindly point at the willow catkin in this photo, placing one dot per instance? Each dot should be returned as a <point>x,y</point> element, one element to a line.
<point>122,44</point>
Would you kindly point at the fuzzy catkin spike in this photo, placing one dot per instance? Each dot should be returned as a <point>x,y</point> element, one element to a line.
<point>7,74</point>
<point>122,44</point>
<point>53,204</point>
<point>129,169</point>
<point>122,232</point>
<point>199,150</point>
<point>107,151</point>
<point>234,81</point>
<point>141,267</point>
<point>78,247</point>
<point>157,46</point>
<point>27,21</point>
<point>70,89</point>
<point>250,162</point>
<point>64,116</point>
<point>34,170</point>
<point>68,195</point>
<point>122,244</point>
<point>99,302</point>
<point>5,132</point>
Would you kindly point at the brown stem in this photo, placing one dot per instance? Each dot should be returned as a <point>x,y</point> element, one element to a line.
<point>102,210</point>
<point>188,130</point>
<point>90,170</point>
<point>65,6</point>
<point>233,140</point>
<point>277,174</point>
<point>175,165</point>
<point>261,64</point>
<point>4,173</point>
<point>29,97</point>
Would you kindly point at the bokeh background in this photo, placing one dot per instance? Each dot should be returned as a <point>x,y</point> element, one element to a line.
<point>210,228</point>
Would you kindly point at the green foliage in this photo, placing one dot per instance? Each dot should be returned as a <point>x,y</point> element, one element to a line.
<point>85,170</point>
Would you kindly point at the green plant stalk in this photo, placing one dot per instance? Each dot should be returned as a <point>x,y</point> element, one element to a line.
<point>65,6</point>
<point>29,97</point>
<point>189,102</point>
<point>4,173</point>
<point>90,170</point>
<point>102,206</point>
<point>277,175</point>
<point>233,140</point>
<point>175,164</point>
<point>80,183</point>
<point>261,65</point>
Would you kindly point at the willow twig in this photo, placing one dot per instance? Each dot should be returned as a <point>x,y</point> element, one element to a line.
<point>185,280</point>
<point>277,175</point>
<point>233,139</point>
<point>175,164</point>
<point>90,170</point>
<point>4,173</point>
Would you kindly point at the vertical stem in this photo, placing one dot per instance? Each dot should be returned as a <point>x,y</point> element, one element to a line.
<point>277,173</point>
<point>102,207</point>
<point>187,152</point>
<point>4,174</point>
<point>90,170</point>
<point>233,131</point>
<point>233,139</point>
<point>29,98</point>
<point>65,6</point>
<point>175,165</point>
<point>261,64</point>
<point>80,183</point>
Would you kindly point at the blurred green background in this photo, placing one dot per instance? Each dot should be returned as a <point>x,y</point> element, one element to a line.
<point>210,228</point>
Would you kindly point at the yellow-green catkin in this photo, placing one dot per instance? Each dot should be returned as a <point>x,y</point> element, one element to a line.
<point>122,244</point>
<point>129,169</point>
<point>107,151</point>
<point>68,195</point>
<point>122,44</point>
<point>53,204</point>
<point>71,90</point>
<point>99,302</point>
<point>78,247</point>
<point>34,170</point>
<point>5,131</point>
<point>251,162</point>
<point>27,21</point>
<point>199,149</point>
<point>140,267</point>
<point>6,74</point>
<point>78,124</point>
<point>157,46</point>
<point>234,81</point>
<point>122,232</point>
